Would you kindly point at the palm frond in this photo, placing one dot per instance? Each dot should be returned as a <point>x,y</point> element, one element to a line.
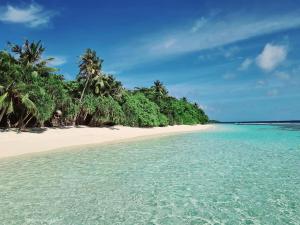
<point>10,107</point>
<point>3,100</point>
<point>29,104</point>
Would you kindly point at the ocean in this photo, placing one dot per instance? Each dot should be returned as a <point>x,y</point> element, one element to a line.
<point>234,174</point>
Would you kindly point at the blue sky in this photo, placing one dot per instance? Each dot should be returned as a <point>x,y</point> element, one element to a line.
<point>240,60</point>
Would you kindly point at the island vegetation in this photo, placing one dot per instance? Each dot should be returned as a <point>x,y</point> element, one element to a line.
<point>33,94</point>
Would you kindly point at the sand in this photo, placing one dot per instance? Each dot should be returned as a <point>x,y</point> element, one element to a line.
<point>13,143</point>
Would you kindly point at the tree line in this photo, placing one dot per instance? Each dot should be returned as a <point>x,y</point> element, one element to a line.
<point>33,94</point>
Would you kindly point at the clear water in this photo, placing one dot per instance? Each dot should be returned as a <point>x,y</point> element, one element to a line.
<point>234,175</point>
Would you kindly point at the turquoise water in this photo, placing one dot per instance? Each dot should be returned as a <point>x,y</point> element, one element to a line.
<point>232,175</point>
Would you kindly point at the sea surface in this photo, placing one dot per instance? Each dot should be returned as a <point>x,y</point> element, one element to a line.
<point>235,174</point>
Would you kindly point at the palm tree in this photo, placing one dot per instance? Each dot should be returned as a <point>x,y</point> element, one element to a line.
<point>13,97</point>
<point>89,68</point>
<point>160,90</point>
<point>30,55</point>
<point>6,101</point>
<point>99,84</point>
<point>17,79</point>
<point>107,85</point>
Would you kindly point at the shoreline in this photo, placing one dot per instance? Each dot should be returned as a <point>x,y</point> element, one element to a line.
<point>48,139</point>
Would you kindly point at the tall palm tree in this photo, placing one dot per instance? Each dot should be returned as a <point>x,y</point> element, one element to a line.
<point>160,90</point>
<point>89,68</point>
<point>30,55</point>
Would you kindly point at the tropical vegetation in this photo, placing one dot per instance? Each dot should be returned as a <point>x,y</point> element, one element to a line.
<point>33,94</point>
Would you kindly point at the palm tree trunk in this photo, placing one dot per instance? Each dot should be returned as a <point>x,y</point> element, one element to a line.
<point>27,122</point>
<point>2,113</point>
<point>80,100</point>
<point>21,122</point>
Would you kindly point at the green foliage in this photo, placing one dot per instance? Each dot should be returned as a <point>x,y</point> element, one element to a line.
<point>182,112</point>
<point>177,111</point>
<point>99,110</point>
<point>43,103</point>
<point>31,93</point>
<point>140,111</point>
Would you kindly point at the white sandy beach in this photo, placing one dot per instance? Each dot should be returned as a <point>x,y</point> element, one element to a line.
<point>13,143</point>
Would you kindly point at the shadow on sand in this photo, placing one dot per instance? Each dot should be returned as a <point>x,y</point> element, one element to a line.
<point>38,130</point>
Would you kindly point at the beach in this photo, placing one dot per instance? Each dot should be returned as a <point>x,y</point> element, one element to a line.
<point>14,144</point>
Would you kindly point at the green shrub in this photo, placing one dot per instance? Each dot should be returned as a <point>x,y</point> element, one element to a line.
<point>101,110</point>
<point>140,111</point>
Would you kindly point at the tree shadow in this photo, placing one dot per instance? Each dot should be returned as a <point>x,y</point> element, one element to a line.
<point>38,130</point>
<point>112,128</point>
<point>27,130</point>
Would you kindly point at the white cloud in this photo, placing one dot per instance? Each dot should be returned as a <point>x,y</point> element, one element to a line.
<point>57,61</point>
<point>230,52</point>
<point>227,53</point>
<point>282,75</point>
<point>169,43</point>
<point>245,64</point>
<point>216,32</point>
<point>198,24</point>
<point>271,56</point>
<point>32,15</point>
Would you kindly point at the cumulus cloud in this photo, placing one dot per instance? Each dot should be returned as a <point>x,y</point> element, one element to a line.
<point>245,64</point>
<point>271,56</point>
<point>32,15</point>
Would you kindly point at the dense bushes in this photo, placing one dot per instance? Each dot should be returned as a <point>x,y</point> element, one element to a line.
<point>101,111</point>
<point>140,111</point>
<point>184,112</point>
<point>176,111</point>
<point>32,94</point>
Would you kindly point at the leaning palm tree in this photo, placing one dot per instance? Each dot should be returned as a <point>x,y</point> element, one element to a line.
<point>89,68</point>
<point>13,97</point>
<point>6,101</point>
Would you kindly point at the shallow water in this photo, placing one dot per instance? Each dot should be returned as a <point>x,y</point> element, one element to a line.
<point>232,175</point>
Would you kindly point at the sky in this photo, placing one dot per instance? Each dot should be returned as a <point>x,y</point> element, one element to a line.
<point>239,60</point>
